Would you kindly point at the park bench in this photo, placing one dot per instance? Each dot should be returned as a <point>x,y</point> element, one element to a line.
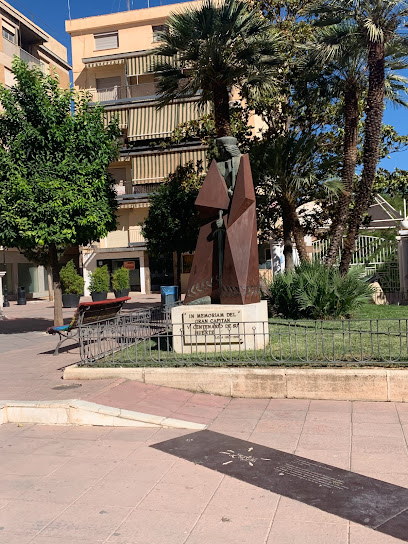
<point>86,313</point>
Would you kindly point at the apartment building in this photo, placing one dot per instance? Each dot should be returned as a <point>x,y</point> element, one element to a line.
<point>111,58</point>
<point>23,38</point>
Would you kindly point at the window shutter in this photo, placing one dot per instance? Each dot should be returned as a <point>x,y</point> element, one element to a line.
<point>107,40</point>
<point>9,79</point>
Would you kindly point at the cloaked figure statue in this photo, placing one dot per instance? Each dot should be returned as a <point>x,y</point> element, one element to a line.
<point>225,266</point>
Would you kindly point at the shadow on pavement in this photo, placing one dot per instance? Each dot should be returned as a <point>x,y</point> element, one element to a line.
<point>26,324</point>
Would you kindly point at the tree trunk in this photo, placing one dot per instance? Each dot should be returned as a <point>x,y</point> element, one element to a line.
<point>372,137</point>
<point>290,214</point>
<point>49,284</point>
<point>55,267</point>
<point>351,118</point>
<point>222,111</point>
<point>287,245</point>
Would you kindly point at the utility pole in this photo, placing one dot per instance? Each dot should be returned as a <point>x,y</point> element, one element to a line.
<point>128,5</point>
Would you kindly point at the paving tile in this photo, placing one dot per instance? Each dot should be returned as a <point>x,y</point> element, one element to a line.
<point>45,431</point>
<point>12,485</point>
<point>279,426</point>
<point>377,429</point>
<point>61,540</point>
<point>373,407</point>
<point>234,499</point>
<point>141,470</point>
<point>376,417</point>
<point>79,521</point>
<point>329,442</point>
<point>320,416</point>
<point>325,428</point>
<point>226,424</point>
<point>241,413</point>
<point>130,434</point>
<point>22,517</point>
<point>209,400</point>
<point>379,462</point>
<point>378,444</point>
<point>18,444</point>
<point>288,404</point>
<point>8,538</point>
<point>86,433</point>
<point>64,448</point>
<point>185,497</point>
<point>279,441</point>
<point>339,459</point>
<point>84,468</point>
<point>363,535</point>
<point>229,530</point>
<point>127,493</point>
<point>59,491</point>
<point>295,532</point>
<point>292,415</point>
<point>289,509</point>
<point>154,527</point>
<point>330,406</point>
<point>110,449</point>
<point>31,465</point>
<point>188,474</point>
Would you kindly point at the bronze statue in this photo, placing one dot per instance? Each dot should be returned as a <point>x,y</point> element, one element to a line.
<point>225,266</point>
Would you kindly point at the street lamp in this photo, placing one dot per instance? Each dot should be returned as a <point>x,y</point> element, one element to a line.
<point>6,303</point>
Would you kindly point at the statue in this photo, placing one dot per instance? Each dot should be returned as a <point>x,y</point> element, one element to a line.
<point>225,266</point>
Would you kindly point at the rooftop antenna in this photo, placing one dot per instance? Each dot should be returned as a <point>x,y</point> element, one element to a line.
<point>128,5</point>
<point>69,10</point>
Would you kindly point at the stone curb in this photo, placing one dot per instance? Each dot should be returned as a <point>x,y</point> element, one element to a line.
<point>80,412</point>
<point>371,384</point>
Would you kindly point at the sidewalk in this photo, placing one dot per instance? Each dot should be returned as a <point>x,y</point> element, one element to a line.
<point>77,485</point>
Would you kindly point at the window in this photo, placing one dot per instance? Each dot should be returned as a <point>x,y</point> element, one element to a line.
<point>108,88</point>
<point>157,29</point>
<point>10,36</point>
<point>107,40</point>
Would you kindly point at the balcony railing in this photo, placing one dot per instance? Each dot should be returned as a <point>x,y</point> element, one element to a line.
<point>123,238</point>
<point>122,92</point>
<point>11,49</point>
<point>145,188</point>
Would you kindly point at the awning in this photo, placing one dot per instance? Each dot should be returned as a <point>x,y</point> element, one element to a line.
<point>152,167</point>
<point>137,66</point>
<point>147,122</point>
<point>105,63</point>
<point>120,114</point>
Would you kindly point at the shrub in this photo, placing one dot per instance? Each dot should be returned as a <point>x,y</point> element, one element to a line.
<point>99,280</point>
<point>313,291</point>
<point>72,283</point>
<point>120,279</point>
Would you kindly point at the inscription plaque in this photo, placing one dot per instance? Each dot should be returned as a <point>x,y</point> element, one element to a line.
<point>370,502</point>
<point>212,326</point>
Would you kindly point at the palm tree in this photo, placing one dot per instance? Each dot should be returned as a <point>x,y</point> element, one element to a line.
<point>377,24</point>
<point>285,169</point>
<point>214,49</point>
<point>340,49</point>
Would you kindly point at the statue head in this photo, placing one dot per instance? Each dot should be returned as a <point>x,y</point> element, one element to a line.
<point>227,148</point>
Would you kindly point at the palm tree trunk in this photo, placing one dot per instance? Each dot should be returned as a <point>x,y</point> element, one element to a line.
<point>342,212</point>
<point>372,136</point>
<point>290,214</point>
<point>287,245</point>
<point>221,111</point>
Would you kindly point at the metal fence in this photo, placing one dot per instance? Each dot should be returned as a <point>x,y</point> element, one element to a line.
<point>147,338</point>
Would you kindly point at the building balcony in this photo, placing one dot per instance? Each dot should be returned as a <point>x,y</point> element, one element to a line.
<point>11,49</point>
<point>124,93</point>
<point>124,238</point>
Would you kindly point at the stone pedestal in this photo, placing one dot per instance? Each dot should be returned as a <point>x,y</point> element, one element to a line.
<point>220,327</point>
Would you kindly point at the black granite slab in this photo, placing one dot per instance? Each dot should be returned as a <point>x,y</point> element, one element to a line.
<point>367,501</point>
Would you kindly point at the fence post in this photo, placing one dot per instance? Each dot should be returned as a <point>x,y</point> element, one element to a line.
<point>403,261</point>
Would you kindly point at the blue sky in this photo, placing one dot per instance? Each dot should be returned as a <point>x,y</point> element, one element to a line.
<point>51,15</point>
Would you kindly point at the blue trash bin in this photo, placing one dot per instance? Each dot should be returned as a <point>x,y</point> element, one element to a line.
<point>169,295</point>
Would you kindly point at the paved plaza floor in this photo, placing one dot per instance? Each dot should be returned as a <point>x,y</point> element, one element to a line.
<point>68,485</point>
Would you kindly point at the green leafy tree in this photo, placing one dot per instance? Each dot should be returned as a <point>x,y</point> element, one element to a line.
<point>55,191</point>
<point>213,49</point>
<point>172,223</point>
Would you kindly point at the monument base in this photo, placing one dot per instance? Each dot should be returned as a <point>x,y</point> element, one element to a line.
<point>220,327</point>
